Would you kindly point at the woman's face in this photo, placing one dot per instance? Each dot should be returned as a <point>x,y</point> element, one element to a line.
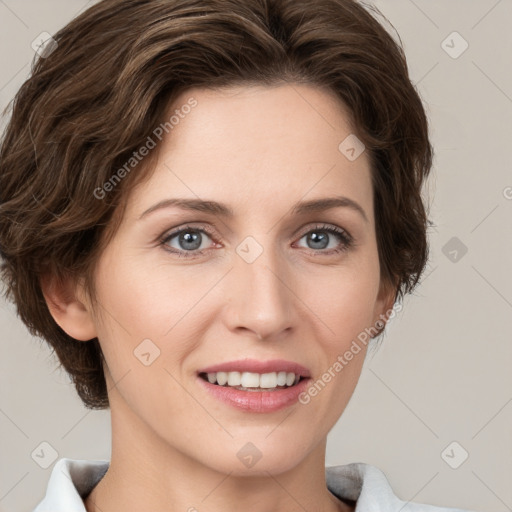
<point>267,282</point>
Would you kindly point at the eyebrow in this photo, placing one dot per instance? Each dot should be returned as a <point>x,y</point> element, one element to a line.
<point>221,209</point>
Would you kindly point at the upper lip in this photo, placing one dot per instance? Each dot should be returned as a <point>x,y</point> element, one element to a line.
<point>256,366</point>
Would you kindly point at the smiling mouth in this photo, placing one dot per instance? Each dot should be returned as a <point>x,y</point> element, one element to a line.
<point>271,382</point>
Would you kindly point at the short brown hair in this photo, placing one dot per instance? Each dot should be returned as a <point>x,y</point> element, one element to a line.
<point>93,100</point>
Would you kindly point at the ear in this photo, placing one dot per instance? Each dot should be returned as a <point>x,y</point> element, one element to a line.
<point>66,301</point>
<point>384,304</point>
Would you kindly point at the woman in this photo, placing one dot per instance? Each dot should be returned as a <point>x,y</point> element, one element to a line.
<point>209,208</point>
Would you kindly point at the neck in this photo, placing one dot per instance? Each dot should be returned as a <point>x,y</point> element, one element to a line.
<point>145,473</point>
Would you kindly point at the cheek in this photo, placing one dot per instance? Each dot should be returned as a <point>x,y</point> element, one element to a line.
<point>148,308</point>
<point>143,299</point>
<point>344,299</point>
<point>350,308</point>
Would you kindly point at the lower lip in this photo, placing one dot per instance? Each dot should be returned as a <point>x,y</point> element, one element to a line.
<point>256,401</point>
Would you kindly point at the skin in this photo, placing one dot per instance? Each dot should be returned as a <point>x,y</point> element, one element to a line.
<point>259,150</point>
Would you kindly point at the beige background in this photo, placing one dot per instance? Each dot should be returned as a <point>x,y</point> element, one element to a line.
<point>443,371</point>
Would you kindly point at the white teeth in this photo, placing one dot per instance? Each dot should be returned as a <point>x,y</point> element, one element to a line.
<point>250,380</point>
<point>222,378</point>
<point>281,378</point>
<point>253,380</point>
<point>269,380</point>
<point>234,379</point>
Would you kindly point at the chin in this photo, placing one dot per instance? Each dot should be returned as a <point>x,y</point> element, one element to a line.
<point>256,456</point>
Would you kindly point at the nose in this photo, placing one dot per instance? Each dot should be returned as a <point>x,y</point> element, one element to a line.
<point>259,295</point>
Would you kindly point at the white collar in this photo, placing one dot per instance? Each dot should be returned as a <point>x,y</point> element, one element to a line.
<point>72,480</point>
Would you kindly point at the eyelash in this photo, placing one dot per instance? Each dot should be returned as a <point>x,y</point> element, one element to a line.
<point>346,239</point>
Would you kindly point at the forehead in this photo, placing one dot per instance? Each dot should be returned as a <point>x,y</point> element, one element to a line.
<point>255,144</point>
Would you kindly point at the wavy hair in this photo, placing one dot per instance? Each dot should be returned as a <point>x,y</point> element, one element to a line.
<point>113,71</point>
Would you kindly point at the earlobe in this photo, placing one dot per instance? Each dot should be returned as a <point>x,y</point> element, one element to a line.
<point>384,305</point>
<point>71,314</point>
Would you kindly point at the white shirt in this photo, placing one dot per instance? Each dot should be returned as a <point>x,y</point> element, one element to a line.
<point>72,480</point>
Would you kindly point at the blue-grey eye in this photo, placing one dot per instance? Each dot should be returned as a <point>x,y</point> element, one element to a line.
<point>187,239</point>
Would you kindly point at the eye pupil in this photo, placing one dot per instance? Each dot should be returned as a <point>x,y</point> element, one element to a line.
<point>314,237</point>
<point>190,237</point>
